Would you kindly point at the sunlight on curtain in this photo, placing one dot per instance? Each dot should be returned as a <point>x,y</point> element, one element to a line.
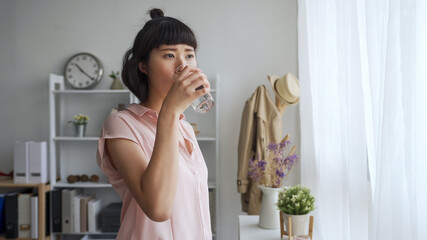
<point>363,116</point>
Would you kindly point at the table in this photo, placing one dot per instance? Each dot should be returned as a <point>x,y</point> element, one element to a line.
<point>248,229</point>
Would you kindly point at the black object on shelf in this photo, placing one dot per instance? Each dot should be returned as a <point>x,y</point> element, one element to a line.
<point>109,217</point>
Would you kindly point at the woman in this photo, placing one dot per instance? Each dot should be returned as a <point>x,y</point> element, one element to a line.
<point>148,151</point>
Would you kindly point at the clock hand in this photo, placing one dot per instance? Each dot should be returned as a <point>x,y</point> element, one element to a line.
<point>81,70</point>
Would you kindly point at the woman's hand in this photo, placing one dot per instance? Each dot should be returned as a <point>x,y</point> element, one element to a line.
<point>183,91</point>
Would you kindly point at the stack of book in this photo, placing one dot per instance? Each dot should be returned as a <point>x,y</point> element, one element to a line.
<point>19,214</point>
<point>74,212</point>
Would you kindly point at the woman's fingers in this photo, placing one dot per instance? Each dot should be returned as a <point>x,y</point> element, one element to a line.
<point>188,70</point>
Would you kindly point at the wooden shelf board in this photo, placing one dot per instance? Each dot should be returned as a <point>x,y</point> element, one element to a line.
<point>8,183</point>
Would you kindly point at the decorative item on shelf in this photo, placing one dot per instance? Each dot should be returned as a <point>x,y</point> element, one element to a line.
<point>120,107</point>
<point>6,175</point>
<point>80,122</point>
<point>82,178</point>
<point>116,84</point>
<point>194,125</point>
<point>270,174</point>
<point>94,178</point>
<point>295,203</point>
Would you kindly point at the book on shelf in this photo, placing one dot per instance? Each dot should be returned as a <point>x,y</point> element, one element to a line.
<point>56,210</point>
<point>35,216</point>
<point>76,213</point>
<point>21,161</point>
<point>68,209</point>
<point>93,209</point>
<point>84,212</point>
<point>24,215</point>
<point>38,162</point>
<point>11,215</point>
<point>2,213</point>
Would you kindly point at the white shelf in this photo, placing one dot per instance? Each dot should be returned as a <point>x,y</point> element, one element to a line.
<point>82,185</point>
<point>86,233</point>
<point>90,91</point>
<point>70,91</point>
<point>66,138</point>
<point>206,138</point>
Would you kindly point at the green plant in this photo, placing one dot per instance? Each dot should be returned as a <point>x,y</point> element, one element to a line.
<point>296,200</point>
<point>80,119</point>
<point>114,75</point>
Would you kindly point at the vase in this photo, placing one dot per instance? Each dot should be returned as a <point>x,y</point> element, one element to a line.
<point>299,224</point>
<point>269,215</point>
<point>79,130</point>
<point>116,84</point>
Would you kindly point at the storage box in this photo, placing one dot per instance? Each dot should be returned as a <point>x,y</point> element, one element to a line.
<point>109,217</point>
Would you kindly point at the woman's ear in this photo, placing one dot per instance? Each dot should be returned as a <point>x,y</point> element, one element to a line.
<point>143,68</point>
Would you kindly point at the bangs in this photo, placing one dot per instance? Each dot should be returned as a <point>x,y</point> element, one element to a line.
<point>170,31</point>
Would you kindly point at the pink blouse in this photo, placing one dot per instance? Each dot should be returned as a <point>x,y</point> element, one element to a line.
<point>190,217</point>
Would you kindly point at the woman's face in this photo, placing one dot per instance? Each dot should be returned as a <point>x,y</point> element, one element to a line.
<point>162,64</point>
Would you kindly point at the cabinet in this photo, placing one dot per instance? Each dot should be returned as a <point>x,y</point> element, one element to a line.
<point>69,155</point>
<point>42,188</point>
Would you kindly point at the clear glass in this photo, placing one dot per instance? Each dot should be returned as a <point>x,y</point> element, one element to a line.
<point>202,104</point>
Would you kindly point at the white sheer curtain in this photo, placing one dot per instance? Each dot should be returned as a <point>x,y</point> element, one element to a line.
<point>364,116</point>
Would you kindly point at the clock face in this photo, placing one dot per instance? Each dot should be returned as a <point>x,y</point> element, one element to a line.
<point>83,70</point>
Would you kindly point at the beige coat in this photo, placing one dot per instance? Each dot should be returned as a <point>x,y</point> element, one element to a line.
<point>261,124</point>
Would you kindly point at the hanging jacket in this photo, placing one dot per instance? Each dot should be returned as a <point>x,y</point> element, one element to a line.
<point>261,124</point>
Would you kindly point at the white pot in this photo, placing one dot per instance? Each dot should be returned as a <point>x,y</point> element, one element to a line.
<point>269,216</point>
<point>299,224</point>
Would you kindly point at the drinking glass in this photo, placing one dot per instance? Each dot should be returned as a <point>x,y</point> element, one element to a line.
<point>202,104</point>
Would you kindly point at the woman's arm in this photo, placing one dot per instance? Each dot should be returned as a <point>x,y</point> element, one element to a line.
<point>153,185</point>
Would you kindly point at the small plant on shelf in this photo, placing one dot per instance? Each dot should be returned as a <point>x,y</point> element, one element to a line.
<point>114,75</point>
<point>80,119</point>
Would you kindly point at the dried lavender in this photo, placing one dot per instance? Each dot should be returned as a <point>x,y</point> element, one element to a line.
<point>275,168</point>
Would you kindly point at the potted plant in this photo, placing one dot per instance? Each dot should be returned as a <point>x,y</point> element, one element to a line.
<point>80,122</point>
<point>116,84</point>
<point>297,202</point>
<point>270,173</point>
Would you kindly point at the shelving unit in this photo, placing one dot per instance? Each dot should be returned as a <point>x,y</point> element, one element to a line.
<point>42,188</point>
<point>76,155</point>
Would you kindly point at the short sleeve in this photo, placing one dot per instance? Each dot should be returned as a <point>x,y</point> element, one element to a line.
<point>115,126</point>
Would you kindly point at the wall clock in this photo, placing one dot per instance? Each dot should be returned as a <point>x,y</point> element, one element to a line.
<point>83,71</point>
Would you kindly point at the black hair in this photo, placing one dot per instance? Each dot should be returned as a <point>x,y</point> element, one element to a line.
<point>156,32</point>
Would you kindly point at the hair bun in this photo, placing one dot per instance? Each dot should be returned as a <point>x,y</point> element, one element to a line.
<point>155,13</point>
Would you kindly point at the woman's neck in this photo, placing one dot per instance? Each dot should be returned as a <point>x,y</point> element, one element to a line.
<point>152,104</point>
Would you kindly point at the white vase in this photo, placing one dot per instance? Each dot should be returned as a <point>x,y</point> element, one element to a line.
<point>269,216</point>
<point>299,224</point>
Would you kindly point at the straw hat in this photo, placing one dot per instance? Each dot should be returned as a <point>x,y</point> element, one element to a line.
<point>285,87</point>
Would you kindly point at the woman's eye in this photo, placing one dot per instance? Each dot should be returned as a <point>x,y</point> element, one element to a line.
<point>190,56</point>
<point>169,56</point>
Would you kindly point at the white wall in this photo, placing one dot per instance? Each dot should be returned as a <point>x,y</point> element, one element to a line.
<point>243,40</point>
